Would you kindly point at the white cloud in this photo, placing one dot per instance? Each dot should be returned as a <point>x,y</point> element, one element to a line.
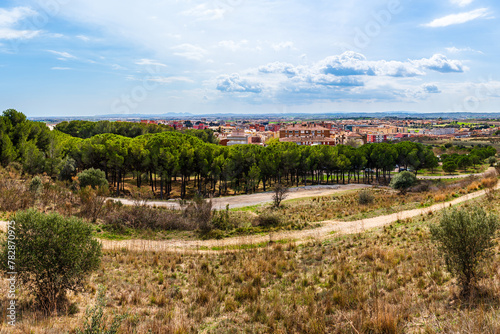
<point>431,89</point>
<point>459,50</point>
<point>232,45</point>
<point>171,79</point>
<point>458,18</point>
<point>9,18</point>
<point>283,46</point>
<point>349,75</point>
<point>461,3</point>
<point>83,38</point>
<point>62,55</point>
<point>441,63</point>
<point>189,51</point>
<point>149,62</point>
<point>203,12</point>
<point>234,83</point>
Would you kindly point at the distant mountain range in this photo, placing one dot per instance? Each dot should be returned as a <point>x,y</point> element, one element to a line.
<point>284,116</point>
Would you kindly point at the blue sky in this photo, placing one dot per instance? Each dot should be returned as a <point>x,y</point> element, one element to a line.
<point>88,57</point>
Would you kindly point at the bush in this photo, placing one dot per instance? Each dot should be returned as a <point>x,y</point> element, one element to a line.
<point>199,211</point>
<point>402,181</point>
<point>55,254</point>
<point>92,177</point>
<point>95,321</point>
<point>36,186</point>
<point>14,195</point>
<point>146,217</point>
<point>465,238</point>
<point>268,219</point>
<point>92,202</point>
<point>365,197</point>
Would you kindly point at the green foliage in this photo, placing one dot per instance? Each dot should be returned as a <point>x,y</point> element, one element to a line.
<point>92,177</point>
<point>402,181</point>
<point>33,159</point>
<point>68,168</point>
<point>7,150</point>
<point>449,166</point>
<point>36,186</point>
<point>465,238</point>
<point>54,254</point>
<point>95,320</point>
<point>88,129</point>
<point>492,161</point>
<point>464,162</point>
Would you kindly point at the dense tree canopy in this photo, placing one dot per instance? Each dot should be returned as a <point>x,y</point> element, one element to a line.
<point>163,157</point>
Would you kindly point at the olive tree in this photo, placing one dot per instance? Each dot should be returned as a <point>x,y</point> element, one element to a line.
<point>465,238</point>
<point>402,181</point>
<point>53,255</point>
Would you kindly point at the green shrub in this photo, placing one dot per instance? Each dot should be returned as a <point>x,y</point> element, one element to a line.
<point>402,181</point>
<point>92,177</point>
<point>465,238</point>
<point>95,320</point>
<point>36,186</point>
<point>54,254</point>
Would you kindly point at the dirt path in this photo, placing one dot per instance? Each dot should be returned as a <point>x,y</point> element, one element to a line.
<point>459,176</point>
<point>259,198</point>
<point>323,232</point>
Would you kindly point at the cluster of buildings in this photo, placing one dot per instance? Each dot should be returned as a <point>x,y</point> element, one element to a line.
<point>345,131</point>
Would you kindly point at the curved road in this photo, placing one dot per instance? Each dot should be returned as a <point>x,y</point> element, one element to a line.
<point>459,176</point>
<point>240,201</point>
<point>320,233</point>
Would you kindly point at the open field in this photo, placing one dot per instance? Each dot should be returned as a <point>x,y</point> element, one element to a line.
<point>384,280</point>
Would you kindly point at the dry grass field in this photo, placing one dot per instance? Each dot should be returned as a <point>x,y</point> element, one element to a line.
<point>387,280</point>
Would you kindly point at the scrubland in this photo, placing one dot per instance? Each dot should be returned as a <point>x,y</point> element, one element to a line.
<point>387,280</point>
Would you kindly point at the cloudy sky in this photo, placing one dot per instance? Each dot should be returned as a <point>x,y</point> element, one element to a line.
<point>88,57</point>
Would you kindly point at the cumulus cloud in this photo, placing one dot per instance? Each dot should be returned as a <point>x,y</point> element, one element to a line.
<point>352,63</point>
<point>234,83</point>
<point>349,74</point>
<point>441,63</point>
<point>189,51</point>
<point>459,18</point>
<point>9,18</point>
<point>280,67</point>
<point>431,88</point>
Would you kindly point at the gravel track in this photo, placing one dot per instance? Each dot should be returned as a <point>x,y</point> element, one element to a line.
<point>323,232</point>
